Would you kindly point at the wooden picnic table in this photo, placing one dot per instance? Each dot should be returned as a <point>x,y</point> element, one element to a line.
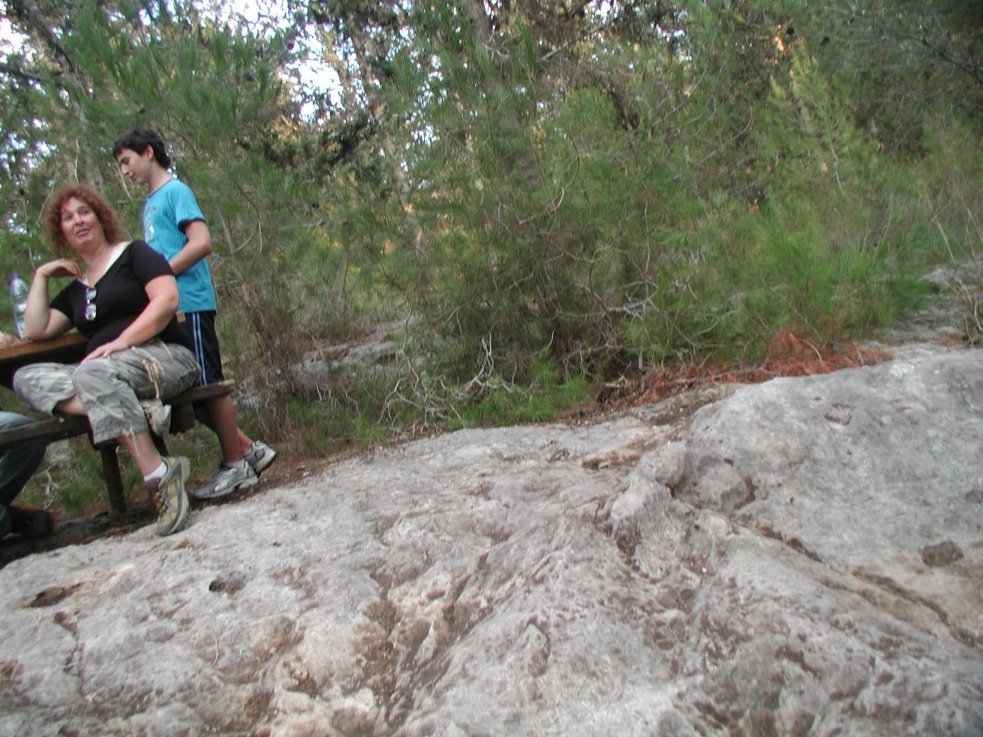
<point>68,348</point>
<point>71,348</point>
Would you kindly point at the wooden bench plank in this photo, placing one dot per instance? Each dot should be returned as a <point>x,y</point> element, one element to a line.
<point>201,393</point>
<point>68,426</point>
<point>55,428</point>
<point>61,427</point>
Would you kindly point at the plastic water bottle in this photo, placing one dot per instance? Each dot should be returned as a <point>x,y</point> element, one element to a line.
<point>18,289</point>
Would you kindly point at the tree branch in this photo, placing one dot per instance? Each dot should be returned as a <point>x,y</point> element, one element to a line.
<point>20,74</point>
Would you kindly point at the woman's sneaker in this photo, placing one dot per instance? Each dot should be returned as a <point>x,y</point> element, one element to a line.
<point>170,497</point>
<point>227,479</point>
<point>260,456</point>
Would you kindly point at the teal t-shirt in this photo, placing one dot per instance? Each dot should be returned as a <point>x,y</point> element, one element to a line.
<point>166,212</point>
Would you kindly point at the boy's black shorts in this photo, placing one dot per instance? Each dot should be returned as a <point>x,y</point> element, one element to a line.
<point>201,327</point>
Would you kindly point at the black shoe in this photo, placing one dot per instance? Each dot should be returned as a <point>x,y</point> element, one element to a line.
<point>33,523</point>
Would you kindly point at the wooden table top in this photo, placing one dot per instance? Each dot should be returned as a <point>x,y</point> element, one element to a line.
<point>68,348</point>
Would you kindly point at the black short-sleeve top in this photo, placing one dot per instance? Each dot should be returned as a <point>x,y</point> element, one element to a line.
<point>119,298</point>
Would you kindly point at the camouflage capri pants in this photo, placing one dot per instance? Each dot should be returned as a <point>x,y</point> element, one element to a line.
<point>110,389</point>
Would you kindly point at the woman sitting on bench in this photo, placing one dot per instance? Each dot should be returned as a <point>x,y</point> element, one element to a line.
<point>123,297</point>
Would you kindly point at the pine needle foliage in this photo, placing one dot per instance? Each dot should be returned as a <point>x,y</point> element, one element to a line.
<point>545,196</point>
<point>640,204</point>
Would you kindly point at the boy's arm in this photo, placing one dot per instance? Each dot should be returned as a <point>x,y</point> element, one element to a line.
<point>199,246</point>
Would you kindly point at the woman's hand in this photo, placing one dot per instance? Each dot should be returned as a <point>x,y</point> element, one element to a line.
<point>163,295</point>
<point>57,268</point>
<point>107,349</point>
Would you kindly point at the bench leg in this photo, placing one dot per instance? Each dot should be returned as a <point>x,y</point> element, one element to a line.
<point>114,482</point>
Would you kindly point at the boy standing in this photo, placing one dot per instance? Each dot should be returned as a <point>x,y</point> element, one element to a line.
<point>174,225</point>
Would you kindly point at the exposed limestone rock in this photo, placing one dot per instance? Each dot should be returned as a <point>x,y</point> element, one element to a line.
<point>801,557</point>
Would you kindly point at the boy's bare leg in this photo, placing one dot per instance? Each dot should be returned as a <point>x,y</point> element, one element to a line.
<point>220,416</point>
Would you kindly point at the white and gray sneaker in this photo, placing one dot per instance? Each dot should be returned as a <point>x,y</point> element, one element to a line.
<point>227,479</point>
<point>260,456</point>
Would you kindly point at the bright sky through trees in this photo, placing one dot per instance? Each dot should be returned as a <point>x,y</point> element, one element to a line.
<point>313,74</point>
